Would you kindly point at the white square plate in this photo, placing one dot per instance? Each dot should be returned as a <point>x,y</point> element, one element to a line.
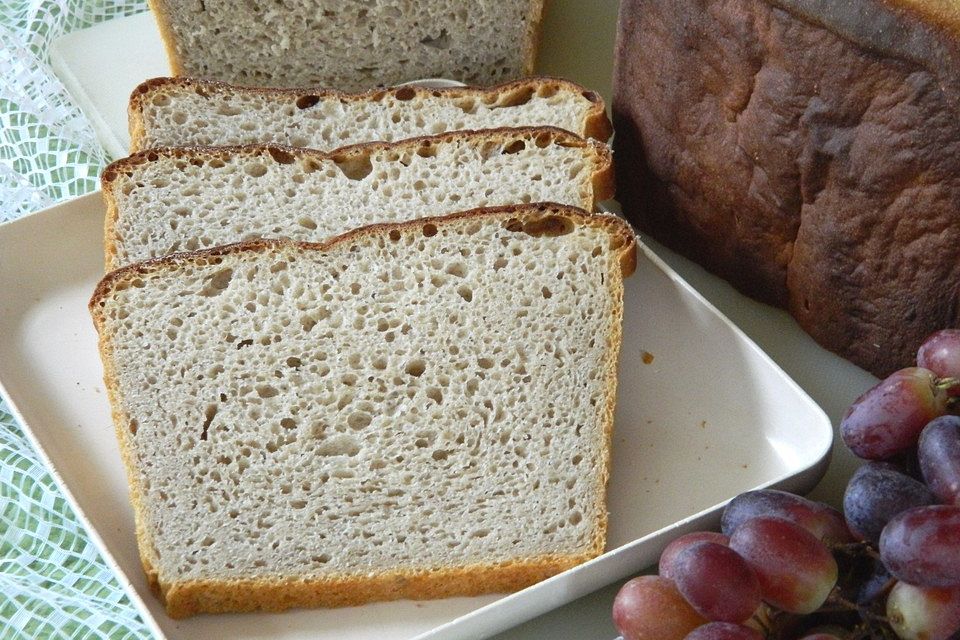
<point>709,417</point>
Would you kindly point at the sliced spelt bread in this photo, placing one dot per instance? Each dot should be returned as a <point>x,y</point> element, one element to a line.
<point>410,410</point>
<point>166,200</point>
<point>351,45</point>
<point>176,112</point>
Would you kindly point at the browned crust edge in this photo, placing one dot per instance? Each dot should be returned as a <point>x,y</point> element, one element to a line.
<point>621,232</point>
<point>188,598</point>
<point>184,599</point>
<point>603,181</point>
<point>534,33</point>
<point>595,124</point>
<point>162,18</point>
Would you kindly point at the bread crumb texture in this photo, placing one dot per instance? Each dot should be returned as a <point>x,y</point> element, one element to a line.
<point>186,112</point>
<point>351,45</point>
<point>174,200</point>
<point>411,398</point>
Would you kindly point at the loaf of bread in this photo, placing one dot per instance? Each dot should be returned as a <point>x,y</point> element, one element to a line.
<point>805,151</point>
<point>350,45</point>
<point>410,410</point>
<point>166,200</point>
<point>177,112</point>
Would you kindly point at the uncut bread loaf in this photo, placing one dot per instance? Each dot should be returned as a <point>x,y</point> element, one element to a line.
<point>166,200</point>
<point>351,45</point>
<point>410,410</point>
<point>807,152</point>
<point>177,112</point>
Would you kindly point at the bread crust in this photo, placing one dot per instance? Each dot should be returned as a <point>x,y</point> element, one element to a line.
<point>602,180</point>
<point>595,125</point>
<point>813,166</point>
<point>534,32</point>
<point>162,16</point>
<point>186,598</point>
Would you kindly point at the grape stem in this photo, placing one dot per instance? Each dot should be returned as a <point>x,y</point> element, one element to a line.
<point>854,549</point>
<point>948,385</point>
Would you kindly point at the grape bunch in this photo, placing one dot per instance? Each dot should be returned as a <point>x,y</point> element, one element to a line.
<point>786,568</point>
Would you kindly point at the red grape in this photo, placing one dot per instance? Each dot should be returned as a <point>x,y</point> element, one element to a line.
<point>724,631</point>
<point>939,453</point>
<point>673,549</point>
<point>922,546</point>
<point>888,418</point>
<point>651,608</point>
<point>826,523</point>
<point>876,493</point>
<point>924,613</point>
<point>940,353</point>
<point>796,571</point>
<point>717,582</point>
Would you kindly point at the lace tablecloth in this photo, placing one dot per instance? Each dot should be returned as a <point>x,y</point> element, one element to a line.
<point>53,582</point>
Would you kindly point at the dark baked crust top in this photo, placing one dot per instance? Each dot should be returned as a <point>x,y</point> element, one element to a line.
<point>810,169</point>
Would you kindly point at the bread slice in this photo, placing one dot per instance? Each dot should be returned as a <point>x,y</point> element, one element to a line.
<point>166,200</point>
<point>176,112</point>
<point>350,45</point>
<point>410,410</point>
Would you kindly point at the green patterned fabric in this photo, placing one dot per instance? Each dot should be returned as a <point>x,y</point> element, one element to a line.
<point>53,581</point>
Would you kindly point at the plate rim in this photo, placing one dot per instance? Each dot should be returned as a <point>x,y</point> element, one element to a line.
<point>28,431</point>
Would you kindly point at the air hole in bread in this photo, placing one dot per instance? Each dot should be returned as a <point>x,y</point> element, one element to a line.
<point>427,151</point>
<point>543,140</point>
<point>515,147</point>
<point>441,41</point>
<point>457,269</point>
<point>547,226</point>
<point>280,156</point>
<point>405,93</point>
<point>267,391</point>
<point>307,223</point>
<point>356,168</point>
<point>179,117</point>
<point>467,105</point>
<point>359,420</point>
<point>416,367</point>
<point>305,102</point>
<point>517,98</point>
<point>465,292</point>
<point>255,169</point>
<point>429,230</point>
<point>209,414</point>
<point>217,283</point>
<point>547,91</point>
<point>227,109</point>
